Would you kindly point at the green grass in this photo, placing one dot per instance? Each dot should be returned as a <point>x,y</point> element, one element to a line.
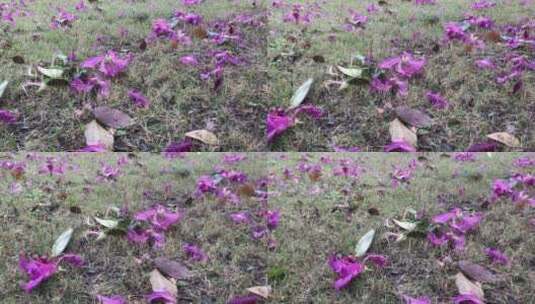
<point>318,218</point>
<point>33,220</point>
<point>478,105</point>
<point>314,229</point>
<point>181,102</point>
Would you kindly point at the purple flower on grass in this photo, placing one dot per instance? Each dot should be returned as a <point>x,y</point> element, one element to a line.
<point>399,145</point>
<point>139,99</point>
<point>175,149</point>
<point>109,64</point>
<point>502,187</point>
<point>347,268</point>
<point>272,218</point>
<point>485,64</point>
<point>496,256</point>
<point>466,299</point>
<point>406,65</point>
<point>437,100</point>
<point>249,299</point>
<point>39,270</point>
<point>278,122</point>
<point>189,60</point>
<point>377,259</point>
<point>240,217</point>
<point>160,297</point>
<point>420,300</point>
<point>8,117</point>
<point>110,300</point>
<point>195,253</point>
<point>159,217</point>
<point>206,184</point>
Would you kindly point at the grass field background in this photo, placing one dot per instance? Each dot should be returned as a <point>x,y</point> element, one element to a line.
<point>320,215</point>
<point>277,57</point>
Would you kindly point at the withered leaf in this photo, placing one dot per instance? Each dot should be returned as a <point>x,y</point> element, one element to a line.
<point>172,268</point>
<point>505,138</point>
<point>413,117</point>
<point>112,118</point>
<point>476,272</point>
<point>204,136</point>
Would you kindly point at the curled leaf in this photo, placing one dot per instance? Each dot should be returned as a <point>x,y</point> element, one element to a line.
<point>476,272</point>
<point>171,268</point>
<point>351,72</point>
<point>61,242</point>
<point>405,225</point>
<point>301,93</point>
<point>204,136</point>
<point>364,243</point>
<point>465,286</point>
<point>161,283</point>
<point>263,291</point>
<point>398,131</point>
<point>107,223</point>
<point>97,135</point>
<point>51,73</point>
<point>413,117</point>
<point>112,118</point>
<point>505,138</point>
<point>3,86</point>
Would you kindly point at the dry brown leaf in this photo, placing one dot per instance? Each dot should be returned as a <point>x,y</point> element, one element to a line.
<point>172,268</point>
<point>399,131</point>
<point>112,118</point>
<point>204,136</point>
<point>160,283</point>
<point>247,190</point>
<point>262,291</point>
<point>97,135</point>
<point>465,286</point>
<point>505,138</point>
<point>476,272</point>
<point>413,117</point>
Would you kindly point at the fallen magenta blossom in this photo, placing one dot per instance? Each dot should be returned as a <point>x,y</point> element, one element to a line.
<point>63,20</point>
<point>489,146</point>
<point>160,297</point>
<point>496,256</point>
<point>87,84</point>
<point>93,148</point>
<point>8,117</point>
<point>349,268</point>
<point>39,270</point>
<point>467,299</point>
<point>420,300</point>
<point>464,156</point>
<point>109,64</point>
<point>159,220</point>
<point>189,60</point>
<point>454,225</point>
<point>437,100</point>
<point>248,299</point>
<point>110,299</point>
<point>42,268</point>
<point>139,99</point>
<point>402,175</point>
<point>194,253</point>
<point>483,4</point>
<point>159,217</point>
<point>177,149</point>
<point>280,120</point>
<point>399,145</point>
<point>406,65</point>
